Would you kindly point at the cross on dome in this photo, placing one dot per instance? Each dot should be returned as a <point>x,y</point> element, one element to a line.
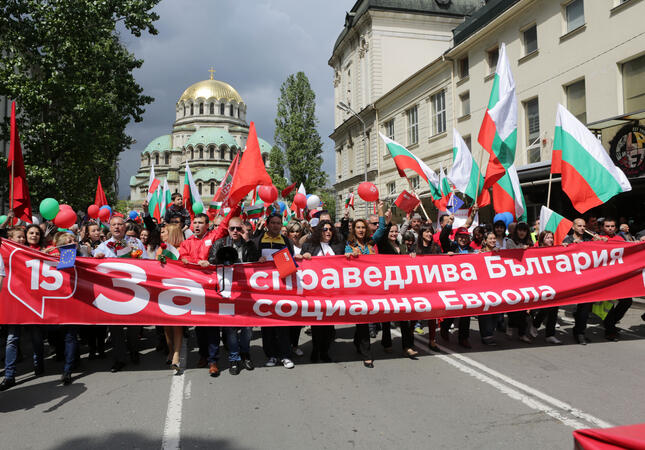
<point>212,71</point>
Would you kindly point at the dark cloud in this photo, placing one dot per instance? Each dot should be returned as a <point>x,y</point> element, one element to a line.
<point>253,45</point>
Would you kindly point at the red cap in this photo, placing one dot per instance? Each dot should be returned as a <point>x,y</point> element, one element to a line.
<point>462,230</point>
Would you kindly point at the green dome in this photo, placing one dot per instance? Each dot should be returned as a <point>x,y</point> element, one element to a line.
<point>265,147</point>
<point>159,144</point>
<point>133,180</point>
<point>210,174</point>
<point>211,135</point>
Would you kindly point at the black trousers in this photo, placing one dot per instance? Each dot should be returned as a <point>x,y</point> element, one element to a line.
<point>362,340</point>
<point>551,316</point>
<point>407,336</point>
<point>386,335</point>
<point>463,324</point>
<point>517,319</point>
<point>321,339</point>
<point>581,316</point>
<point>124,339</point>
<point>615,314</point>
<point>294,336</point>
<point>95,335</point>
<point>276,342</point>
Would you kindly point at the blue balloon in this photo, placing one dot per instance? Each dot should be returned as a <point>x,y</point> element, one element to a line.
<point>507,218</point>
<point>133,215</point>
<point>498,218</point>
<point>106,207</point>
<point>283,206</point>
<point>309,195</point>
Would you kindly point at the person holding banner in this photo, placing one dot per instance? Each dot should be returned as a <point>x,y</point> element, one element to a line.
<point>546,239</point>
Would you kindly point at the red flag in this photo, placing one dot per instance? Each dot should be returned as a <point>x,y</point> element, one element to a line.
<point>19,191</point>
<point>286,191</point>
<point>251,171</point>
<point>406,201</point>
<point>100,199</point>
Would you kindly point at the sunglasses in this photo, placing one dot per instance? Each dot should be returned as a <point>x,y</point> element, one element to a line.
<point>236,228</point>
<point>373,223</point>
<point>327,229</point>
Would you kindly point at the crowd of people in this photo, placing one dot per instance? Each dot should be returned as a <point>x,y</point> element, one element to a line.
<point>204,242</point>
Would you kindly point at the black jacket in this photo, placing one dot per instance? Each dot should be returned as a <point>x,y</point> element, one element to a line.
<point>257,240</point>
<point>451,246</point>
<point>309,247</point>
<point>249,250</point>
<point>173,211</point>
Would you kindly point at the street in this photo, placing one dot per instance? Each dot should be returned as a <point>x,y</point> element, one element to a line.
<point>515,395</point>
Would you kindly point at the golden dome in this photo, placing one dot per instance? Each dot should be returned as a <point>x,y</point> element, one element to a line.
<point>211,88</point>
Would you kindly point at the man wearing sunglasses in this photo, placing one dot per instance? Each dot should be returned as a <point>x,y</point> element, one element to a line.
<point>238,339</point>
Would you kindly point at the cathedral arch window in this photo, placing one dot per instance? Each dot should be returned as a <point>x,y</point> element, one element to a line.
<point>211,150</point>
<point>231,154</point>
<point>192,154</point>
<point>192,109</point>
<point>199,188</point>
<point>166,158</point>
<point>201,152</point>
<point>157,159</point>
<point>222,152</point>
<point>148,159</point>
<point>212,108</point>
<point>221,108</point>
<point>184,110</point>
<point>230,110</point>
<point>212,188</point>
<point>238,113</point>
<point>201,108</point>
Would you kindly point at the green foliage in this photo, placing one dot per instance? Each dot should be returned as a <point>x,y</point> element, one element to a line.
<point>276,168</point>
<point>71,77</point>
<point>328,197</point>
<point>124,207</point>
<point>296,132</point>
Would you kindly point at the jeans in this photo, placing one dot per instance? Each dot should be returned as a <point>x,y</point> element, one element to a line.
<point>276,342</point>
<point>238,341</point>
<point>581,315</point>
<point>487,324</point>
<point>71,347</point>
<point>13,339</point>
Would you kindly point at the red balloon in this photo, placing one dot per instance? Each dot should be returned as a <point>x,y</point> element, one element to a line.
<point>104,214</point>
<point>93,211</point>
<point>268,194</point>
<point>64,206</point>
<point>368,192</point>
<point>65,218</point>
<point>300,200</point>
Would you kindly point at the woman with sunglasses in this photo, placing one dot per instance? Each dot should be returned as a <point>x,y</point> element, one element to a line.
<point>324,241</point>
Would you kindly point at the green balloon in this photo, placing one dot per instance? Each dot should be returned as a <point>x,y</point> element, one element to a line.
<point>3,219</point>
<point>198,208</point>
<point>49,207</point>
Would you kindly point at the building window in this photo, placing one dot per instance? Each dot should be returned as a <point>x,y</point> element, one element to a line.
<point>192,154</point>
<point>492,56</point>
<point>467,141</point>
<point>529,36</point>
<point>212,108</point>
<point>199,188</point>
<point>464,99</point>
<point>157,159</point>
<point>222,153</point>
<point>184,110</point>
<point>414,182</point>
<point>148,159</point>
<point>201,108</point>
<point>575,15</point>
<point>192,109</point>
<point>438,112</point>
<point>166,158</point>
<point>532,130</point>
<point>212,152</point>
<point>238,113</point>
<point>221,109</point>
<point>462,68</point>
<point>230,110</point>
<point>413,125</point>
<point>391,188</point>
<point>339,162</point>
<point>634,84</point>
<point>212,188</point>
<point>201,152</point>
<point>389,129</point>
<point>231,154</point>
<point>576,100</point>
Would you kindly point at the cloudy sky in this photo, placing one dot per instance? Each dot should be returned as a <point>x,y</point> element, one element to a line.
<point>252,44</point>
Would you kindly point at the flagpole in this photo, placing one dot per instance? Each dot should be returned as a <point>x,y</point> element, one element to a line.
<point>417,196</point>
<point>548,195</point>
<point>13,163</point>
<point>481,157</point>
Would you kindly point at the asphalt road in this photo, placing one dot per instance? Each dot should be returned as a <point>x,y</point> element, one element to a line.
<point>515,395</point>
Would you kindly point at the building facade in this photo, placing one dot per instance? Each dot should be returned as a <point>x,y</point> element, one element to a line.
<point>209,130</point>
<point>587,55</point>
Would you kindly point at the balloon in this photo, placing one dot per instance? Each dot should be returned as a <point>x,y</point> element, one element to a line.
<point>49,207</point>
<point>105,213</point>
<point>507,217</point>
<point>3,219</point>
<point>34,220</point>
<point>133,215</point>
<point>65,206</point>
<point>367,191</point>
<point>300,200</point>
<point>65,218</point>
<point>309,195</point>
<point>198,208</point>
<point>313,202</point>
<point>268,194</point>
<point>498,218</point>
<point>282,206</point>
<point>93,211</point>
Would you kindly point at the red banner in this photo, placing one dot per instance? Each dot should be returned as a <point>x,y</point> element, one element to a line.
<point>325,290</point>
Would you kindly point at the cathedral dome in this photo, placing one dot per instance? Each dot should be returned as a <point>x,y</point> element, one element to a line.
<point>211,89</point>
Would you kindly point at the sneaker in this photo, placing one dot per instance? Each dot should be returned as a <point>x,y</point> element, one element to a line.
<point>418,330</point>
<point>553,340</point>
<point>271,362</point>
<point>235,368</point>
<point>7,383</point>
<point>297,351</point>
<point>581,339</point>
<point>287,363</point>
<point>525,339</point>
<point>533,331</point>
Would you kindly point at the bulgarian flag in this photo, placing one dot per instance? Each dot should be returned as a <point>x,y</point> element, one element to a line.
<point>554,222</point>
<point>191,194</point>
<point>254,211</point>
<point>498,133</point>
<point>166,198</point>
<point>349,201</point>
<point>508,196</point>
<point>155,204</point>
<point>443,196</point>
<point>168,251</point>
<point>153,183</point>
<point>464,173</point>
<point>404,159</point>
<point>589,177</point>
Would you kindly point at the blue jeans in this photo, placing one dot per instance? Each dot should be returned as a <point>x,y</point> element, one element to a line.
<point>237,343</point>
<point>209,338</point>
<point>71,347</point>
<point>13,339</point>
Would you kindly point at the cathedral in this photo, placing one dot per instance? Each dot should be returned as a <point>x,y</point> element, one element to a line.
<point>210,128</point>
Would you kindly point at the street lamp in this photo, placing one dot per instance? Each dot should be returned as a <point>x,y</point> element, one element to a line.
<point>344,107</point>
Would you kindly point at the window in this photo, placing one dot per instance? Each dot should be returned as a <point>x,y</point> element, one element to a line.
<point>212,188</point>
<point>532,130</point>
<point>212,109</point>
<point>157,159</point>
<point>199,188</point>
<point>192,109</point>
<point>166,158</point>
<point>634,84</point>
<point>238,113</point>
<point>492,56</point>
<point>231,154</point>
<point>192,154</point>
<point>230,110</point>
<point>211,150</point>
<point>438,112</point>
<point>389,129</point>
<point>575,15</point>
<point>339,162</point>
<point>184,110</point>
<point>413,126</point>
<point>464,99</point>
<point>529,36</point>
<point>468,141</point>
<point>222,153</point>
<point>414,182</point>
<point>221,109</point>
<point>576,100</point>
<point>201,152</point>
<point>391,188</point>
<point>462,68</point>
<point>201,108</point>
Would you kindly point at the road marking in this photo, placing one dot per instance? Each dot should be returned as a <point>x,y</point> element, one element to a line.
<point>531,397</point>
<point>172,427</point>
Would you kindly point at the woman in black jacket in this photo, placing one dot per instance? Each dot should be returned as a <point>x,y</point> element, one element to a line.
<point>324,241</point>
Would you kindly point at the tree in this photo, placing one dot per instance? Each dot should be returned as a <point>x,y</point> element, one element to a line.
<point>71,77</point>
<point>276,167</point>
<point>295,131</point>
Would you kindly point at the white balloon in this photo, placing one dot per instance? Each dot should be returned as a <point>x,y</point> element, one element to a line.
<point>35,220</point>
<point>313,202</point>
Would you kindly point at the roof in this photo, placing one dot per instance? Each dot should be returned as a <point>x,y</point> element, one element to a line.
<point>211,89</point>
<point>454,8</point>
<point>265,147</point>
<point>211,135</point>
<point>159,144</point>
<point>210,174</point>
<point>480,18</point>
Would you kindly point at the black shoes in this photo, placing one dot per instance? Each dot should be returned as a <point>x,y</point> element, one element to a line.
<point>39,370</point>
<point>117,366</point>
<point>7,383</point>
<point>66,378</point>
<point>247,363</point>
<point>235,368</point>
<point>134,357</point>
<point>581,339</point>
<point>369,364</point>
